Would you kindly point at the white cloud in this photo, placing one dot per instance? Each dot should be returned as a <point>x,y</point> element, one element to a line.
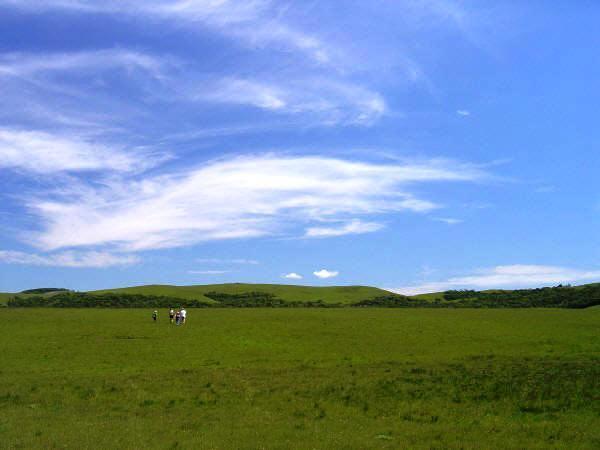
<point>292,276</point>
<point>353,227</point>
<point>26,65</point>
<point>252,23</point>
<point>245,92</point>
<point>228,261</point>
<point>448,220</point>
<point>509,276</point>
<point>72,259</point>
<point>331,101</point>
<point>324,273</point>
<point>43,152</point>
<point>208,272</point>
<point>235,198</point>
<point>463,112</point>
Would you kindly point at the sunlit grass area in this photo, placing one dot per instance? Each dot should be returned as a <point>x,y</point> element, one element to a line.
<point>301,378</point>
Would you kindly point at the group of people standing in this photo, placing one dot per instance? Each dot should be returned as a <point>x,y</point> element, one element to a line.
<point>177,317</point>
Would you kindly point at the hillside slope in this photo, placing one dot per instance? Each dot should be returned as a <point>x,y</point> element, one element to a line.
<point>333,294</point>
<point>5,297</point>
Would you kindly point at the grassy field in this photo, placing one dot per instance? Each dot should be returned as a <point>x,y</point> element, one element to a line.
<point>302,378</point>
<point>333,294</point>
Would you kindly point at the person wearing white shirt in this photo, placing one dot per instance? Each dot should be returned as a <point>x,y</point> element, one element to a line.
<point>183,315</point>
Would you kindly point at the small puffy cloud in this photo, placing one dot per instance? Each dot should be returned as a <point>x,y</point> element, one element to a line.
<point>324,273</point>
<point>353,227</point>
<point>463,112</point>
<point>69,259</point>
<point>292,276</point>
<point>509,276</point>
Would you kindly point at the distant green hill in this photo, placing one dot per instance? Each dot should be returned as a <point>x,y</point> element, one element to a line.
<point>278,295</point>
<point>44,292</point>
<point>333,294</point>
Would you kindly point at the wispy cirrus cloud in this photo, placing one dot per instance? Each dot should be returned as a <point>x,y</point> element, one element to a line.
<point>26,65</point>
<point>242,261</point>
<point>240,197</point>
<point>251,23</point>
<point>49,78</point>
<point>508,276</point>
<point>72,259</point>
<point>448,220</point>
<point>353,227</point>
<point>330,101</point>
<point>45,152</point>
<point>208,272</point>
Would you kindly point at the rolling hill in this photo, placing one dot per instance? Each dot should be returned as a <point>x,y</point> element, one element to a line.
<point>333,294</point>
<point>5,297</point>
<point>44,292</point>
<point>279,295</point>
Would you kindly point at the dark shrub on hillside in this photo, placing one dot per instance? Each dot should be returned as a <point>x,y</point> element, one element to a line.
<point>395,301</point>
<point>117,300</point>
<point>262,299</point>
<point>550,297</point>
<point>455,295</point>
<point>44,290</point>
<point>84,300</point>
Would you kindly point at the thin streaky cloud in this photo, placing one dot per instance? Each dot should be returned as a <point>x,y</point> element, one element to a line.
<point>208,272</point>
<point>448,220</point>
<point>508,276</point>
<point>71,259</point>
<point>25,65</point>
<point>330,100</point>
<point>253,23</point>
<point>228,261</point>
<point>353,227</point>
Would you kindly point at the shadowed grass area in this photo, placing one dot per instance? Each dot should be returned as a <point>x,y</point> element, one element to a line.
<point>277,378</point>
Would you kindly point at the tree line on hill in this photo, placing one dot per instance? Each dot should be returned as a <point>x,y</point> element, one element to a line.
<point>122,300</point>
<point>550,297</point>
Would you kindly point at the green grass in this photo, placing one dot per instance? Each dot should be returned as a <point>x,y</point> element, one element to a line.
<point>301,378</point>
<point>334,294</point>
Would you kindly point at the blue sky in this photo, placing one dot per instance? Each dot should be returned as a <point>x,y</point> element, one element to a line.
<point>411,145</point>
